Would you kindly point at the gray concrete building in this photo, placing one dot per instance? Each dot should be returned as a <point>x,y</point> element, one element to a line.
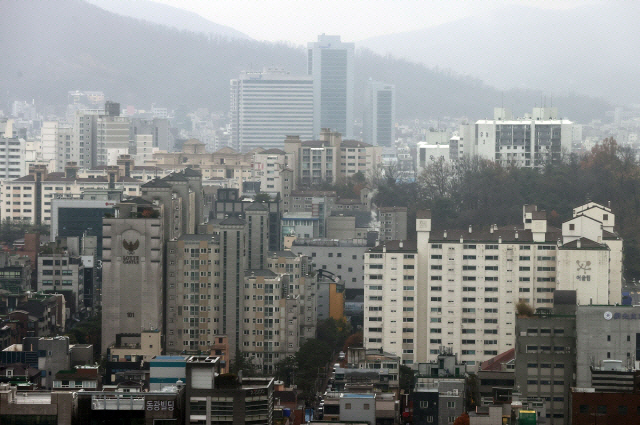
<point>133,271</point>
<point>606,333</point>
<point>393,223</point>
<point>546,357</point>
<point>344,258</point>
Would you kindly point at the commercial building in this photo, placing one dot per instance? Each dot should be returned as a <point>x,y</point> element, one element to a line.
<point>331,63</point>
<point>606,333</point>
<point>226,398</point>
<point>475,278</point>
<point>379,113</point>
<point>269,105</point>
<point>546,357</point>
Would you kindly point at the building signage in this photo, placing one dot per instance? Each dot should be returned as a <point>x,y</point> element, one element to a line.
<point>131,247</point>
<point>257,391</point>
<point>160,405</point>
<point>621,316</point>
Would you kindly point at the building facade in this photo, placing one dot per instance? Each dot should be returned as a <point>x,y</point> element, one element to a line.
<point>267,106</point>
<point>331,63</point>
<point>471,280</point>
<point>379,113</point>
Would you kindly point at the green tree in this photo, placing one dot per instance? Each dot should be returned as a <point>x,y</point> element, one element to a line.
<point>244,364</point>
<point>406,379</point>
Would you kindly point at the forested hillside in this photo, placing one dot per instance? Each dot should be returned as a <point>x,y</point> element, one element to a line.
<point>50,47</point>
<point>482,193</point>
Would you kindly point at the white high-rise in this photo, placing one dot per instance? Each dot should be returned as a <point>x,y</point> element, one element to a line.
<point>267,106</point>
<point>331,63</point>
<point>379,113</point>
<point>459,288</point>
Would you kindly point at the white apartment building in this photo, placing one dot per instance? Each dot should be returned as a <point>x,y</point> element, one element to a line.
<point>268,167</point>
<point>28,198</point>
<point>530,141</point>
<point>12,152</point>
<point>459,289</point>
<point>267,106</point>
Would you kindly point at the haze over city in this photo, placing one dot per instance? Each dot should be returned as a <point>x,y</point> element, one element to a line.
<point>301,212</point>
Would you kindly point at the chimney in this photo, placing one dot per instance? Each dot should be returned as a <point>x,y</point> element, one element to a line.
<point>400,244</point>
<point>491,229</point>
<point>470,229</point>
<point>461,239</point>
<point>445,234</point>
<point>516,235</point>
<point>499,239</point>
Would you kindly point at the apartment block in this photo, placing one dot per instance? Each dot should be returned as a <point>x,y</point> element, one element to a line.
<point>471,281</point>
<point>529,141</point>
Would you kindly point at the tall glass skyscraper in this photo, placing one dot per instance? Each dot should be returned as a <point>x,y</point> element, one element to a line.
<point>330,62</point>
<point>379,113</point>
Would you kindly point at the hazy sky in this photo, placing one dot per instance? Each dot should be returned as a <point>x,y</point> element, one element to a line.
<point>300,21</point>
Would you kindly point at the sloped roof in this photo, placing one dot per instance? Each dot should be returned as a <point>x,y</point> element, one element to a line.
<point>256,206</point>
<point>495,363</point>
<point>156,183</point>
<point>584,244</point>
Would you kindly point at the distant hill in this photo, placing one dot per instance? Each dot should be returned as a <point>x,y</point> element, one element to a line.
<point>70,44</point>
<point>591,49</point>
<point>163,14</point>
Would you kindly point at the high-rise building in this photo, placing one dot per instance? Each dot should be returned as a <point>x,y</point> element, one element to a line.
<point>331,63</point>
<point>459,288</point>
<point>267,106</point>
<point>379,113</point>
<point>132,270</point>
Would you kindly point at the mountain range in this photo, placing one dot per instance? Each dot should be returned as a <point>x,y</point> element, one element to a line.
<point>591,49</point>
<point>74,45</point>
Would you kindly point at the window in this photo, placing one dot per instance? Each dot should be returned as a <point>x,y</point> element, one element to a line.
<point>584,408</point>
<point>451,404</point>
<point>601,409</point>
<point>622,410</point>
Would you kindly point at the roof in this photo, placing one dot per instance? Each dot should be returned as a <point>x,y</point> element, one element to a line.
<point>156,183</point>
<point>355,144</point>
<point>316,144</point>
<point>79,373</point>
<point>287,254</point>
<point>410,246</point>
<point>257,206</point>
<point>233,221</point>
<point>273,151</point>
<point>584,244</point>
<point>136,200</point>
<point>176,177</point>
<point>606,235</point>
<point>507,235</point>
<point>190,172</point>
<point>539,215</point>
<point>188,237</point>
<point>392,209</point>
<point>259,272</point>
<point>495,363</point>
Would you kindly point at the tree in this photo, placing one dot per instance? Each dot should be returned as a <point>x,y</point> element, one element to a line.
<point>241,363</point>
<point>354,340</point>
<point>462,419</point>
<point>523,309</point>
<point>406,378</point>
<point>333,333</point>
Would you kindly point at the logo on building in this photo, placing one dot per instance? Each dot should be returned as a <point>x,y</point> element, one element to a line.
<point>130,246</point>
<point>608,315</point>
